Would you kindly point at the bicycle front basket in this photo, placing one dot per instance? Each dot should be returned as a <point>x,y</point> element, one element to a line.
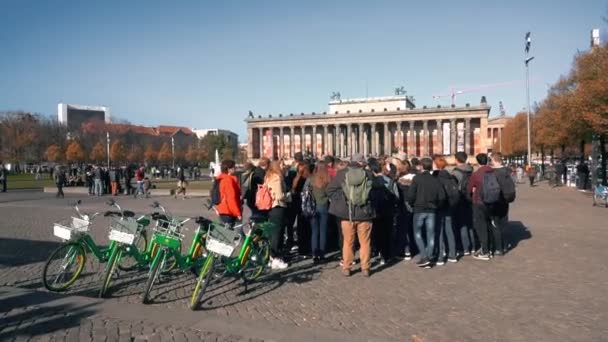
<point>68,229</point>
<point>123,230</point>
<point>222,240</point>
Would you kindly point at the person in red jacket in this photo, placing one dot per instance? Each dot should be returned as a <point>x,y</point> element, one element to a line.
<point>229,208</point>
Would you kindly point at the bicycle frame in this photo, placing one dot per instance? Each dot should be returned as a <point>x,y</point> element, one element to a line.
<point>183,261</point>
<point>101,254</point>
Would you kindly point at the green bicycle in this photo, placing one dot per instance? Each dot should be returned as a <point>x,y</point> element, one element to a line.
<point>247,262</point>
<point>128,253</point>
<point>66,263</point>
<point>168,236</point>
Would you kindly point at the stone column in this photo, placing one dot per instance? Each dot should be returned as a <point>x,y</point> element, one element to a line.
<point>483,127</point>
<point>303,139</point>
<point>324,141</point>
<point>453,136</point>
<point>365,142</point>
<point>411,142</point>
<point>349,143</point>
<point>360,147</point>
<point>386,144</point>
<point>292,143</point>
<point>261,129</point>
<point>249,143</point>
<point>439,137</point>
<point>425,134</point>
<point>467,136</point>
<point>313,141</point>
<point>374,139</point>
<point>281,143</point>
<point>401,136</point>
<point>271,142</point>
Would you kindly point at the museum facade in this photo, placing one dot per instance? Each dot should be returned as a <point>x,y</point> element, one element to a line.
<point>372,127</point>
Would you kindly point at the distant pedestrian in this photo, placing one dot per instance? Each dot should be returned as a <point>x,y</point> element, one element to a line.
<point>60,181</point>
<point>139,177</point>
<point>3,177</point>
<point>520,174</point>
<point>98,179</point>
<point>181,183</point>
<point>531,172</point>
<point>113,174</point>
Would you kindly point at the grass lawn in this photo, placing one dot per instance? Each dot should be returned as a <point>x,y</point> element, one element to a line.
<point>28,181</point>
<point>192,185</point>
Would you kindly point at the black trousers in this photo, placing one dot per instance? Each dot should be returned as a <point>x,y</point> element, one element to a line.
<point>382,234</point>
<point>498,225</point>
<point>276,216</point>
<point>3,182</point>
<point>481,223</point>
<point>60,191</point>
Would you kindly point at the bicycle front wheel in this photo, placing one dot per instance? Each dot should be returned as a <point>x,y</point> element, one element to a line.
<point>204,278</point>
<point>129,262</point>
<point>153,275</point>
<point>258,257</point>
<point>63,267</point>
<point>110,269</point>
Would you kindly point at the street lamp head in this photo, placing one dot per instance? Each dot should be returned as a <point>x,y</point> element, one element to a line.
<point>529,59</point>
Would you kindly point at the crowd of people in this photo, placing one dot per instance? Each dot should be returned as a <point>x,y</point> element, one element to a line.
<point>383,207</point>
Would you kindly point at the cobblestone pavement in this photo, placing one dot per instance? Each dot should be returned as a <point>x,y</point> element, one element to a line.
<point>550,286</point>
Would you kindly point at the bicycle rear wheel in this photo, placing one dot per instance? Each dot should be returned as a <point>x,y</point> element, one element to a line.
<point>204,278</point>
<point>110,269</point>
<point>128,262</point>
<point>257,259</point>
<point>153,275</point>
<point>63,267</point>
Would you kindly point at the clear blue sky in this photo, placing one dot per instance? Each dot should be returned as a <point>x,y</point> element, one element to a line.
<point>206,63</point>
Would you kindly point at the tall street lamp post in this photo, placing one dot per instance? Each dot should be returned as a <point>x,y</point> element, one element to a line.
<point>108,147</point>
<point>528,59</point>
<point>173,151</point>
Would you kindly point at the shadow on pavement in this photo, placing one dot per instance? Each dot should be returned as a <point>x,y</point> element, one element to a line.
<point>19,252</point>
<point>34,313</point>
<point>514,233</point>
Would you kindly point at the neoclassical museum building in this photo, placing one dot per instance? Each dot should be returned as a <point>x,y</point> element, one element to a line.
<point>372,126</point>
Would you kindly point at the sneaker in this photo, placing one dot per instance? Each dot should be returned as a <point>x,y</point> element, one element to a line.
<point>382,262</point>
<point>278,264</point>
<point>467,253</point>
<point>423,263</point>
<point>452,260</point>
<point>480,256</point>
<point>365,273</point>
<point>346,273</point>
<point>294,248</point>
<point>408,257</point>
<point>440,262</point>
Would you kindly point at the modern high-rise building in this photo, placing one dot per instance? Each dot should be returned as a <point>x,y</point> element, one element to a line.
<point>74,116</point>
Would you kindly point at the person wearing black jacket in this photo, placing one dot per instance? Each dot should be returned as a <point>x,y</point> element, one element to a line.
<point>384,205</point>
<point>425,196</point>
<point>446,212</point>
<point>499,213</point>
<point>406,243</point>
<point>3,176</point>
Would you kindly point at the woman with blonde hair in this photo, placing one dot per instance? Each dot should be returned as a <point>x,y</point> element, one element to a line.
<point>276,215</point>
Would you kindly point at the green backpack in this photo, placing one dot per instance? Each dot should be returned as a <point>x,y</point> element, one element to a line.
<point>356,188</point>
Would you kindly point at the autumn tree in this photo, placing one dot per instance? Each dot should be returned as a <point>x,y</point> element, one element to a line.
<point>165,155</point>
<point>150,154</point>
<point>117,152</point>
<point>135,154</point>
<point>98,153</point>
<point>74,152</point>
<point>515,136</point>
<point>192,154</point>
<point>54,153</point>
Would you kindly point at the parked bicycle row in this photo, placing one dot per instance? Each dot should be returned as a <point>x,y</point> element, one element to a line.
<point>216,249</point>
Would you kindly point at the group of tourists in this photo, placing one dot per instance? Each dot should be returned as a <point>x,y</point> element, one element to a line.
<point>385,207</point>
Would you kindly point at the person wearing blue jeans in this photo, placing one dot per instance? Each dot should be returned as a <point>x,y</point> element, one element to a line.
<point>425,195</point>
<point>426,245</point>
<point>446,234</point>
<point>317,183</point>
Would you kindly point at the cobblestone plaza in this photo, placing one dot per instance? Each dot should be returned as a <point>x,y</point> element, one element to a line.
<point>549,287</point>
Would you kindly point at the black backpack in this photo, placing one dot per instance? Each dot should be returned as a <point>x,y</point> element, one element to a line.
<point>216,198</point>
<point>464,183</point>
<point>452,191</point>
<point>507,186</point>
<point>490,188</point>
